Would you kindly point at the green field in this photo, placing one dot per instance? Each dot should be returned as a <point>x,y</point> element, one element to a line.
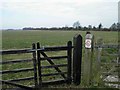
<point>24,39</point>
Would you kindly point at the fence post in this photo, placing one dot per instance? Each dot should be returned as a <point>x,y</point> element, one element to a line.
<point>69,59</point>
<point>87,66</point>
<point>39,66</point>
<point>77,59</point>
<point>98,61</point>
<point>119,56</point>
<point>34,64</point>
<point>99,49</point>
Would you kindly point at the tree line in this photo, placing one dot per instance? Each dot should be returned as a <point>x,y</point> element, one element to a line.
<point>77,26</point>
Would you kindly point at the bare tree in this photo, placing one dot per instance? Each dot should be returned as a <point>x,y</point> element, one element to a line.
<point>100,26</point>
<point>76,25</point>
<point>113,26</point>
<point>89,26</point>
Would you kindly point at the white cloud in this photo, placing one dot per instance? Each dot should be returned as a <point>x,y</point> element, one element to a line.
<point>59,12</point>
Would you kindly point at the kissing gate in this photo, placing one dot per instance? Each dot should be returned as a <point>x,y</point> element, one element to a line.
<point>68,67</point>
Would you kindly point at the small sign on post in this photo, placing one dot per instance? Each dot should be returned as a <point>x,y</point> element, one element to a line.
<point>88,40</point>
<point>88,43</point>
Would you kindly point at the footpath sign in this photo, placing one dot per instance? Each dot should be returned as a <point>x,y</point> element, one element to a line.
<point>88,43</point>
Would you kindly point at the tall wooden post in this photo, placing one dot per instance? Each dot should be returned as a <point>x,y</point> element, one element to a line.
<point>77,59</point>
<point>34,64</point>
<point>69,54</point>
<point>39,66</point>
<point>88,58</point>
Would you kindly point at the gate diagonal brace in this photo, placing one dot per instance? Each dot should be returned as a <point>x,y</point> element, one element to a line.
<point>18,85</point>
<point>52,63</point>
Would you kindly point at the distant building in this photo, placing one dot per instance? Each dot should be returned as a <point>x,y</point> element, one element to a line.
<point>119,11</point>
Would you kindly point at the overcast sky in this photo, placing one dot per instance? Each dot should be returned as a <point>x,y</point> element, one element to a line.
<point>57,13</point>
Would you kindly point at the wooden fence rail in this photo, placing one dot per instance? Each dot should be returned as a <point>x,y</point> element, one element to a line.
<point>101,51</point>
<point>37,51</point>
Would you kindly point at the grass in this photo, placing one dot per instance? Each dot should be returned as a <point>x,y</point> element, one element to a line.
<point>24,39</point>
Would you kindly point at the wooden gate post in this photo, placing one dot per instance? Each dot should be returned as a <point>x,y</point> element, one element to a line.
<point>69,54</point>
<point>77,59</point>
<point>87,66</point>
<point>39,66</point>
<point>35,65</point>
